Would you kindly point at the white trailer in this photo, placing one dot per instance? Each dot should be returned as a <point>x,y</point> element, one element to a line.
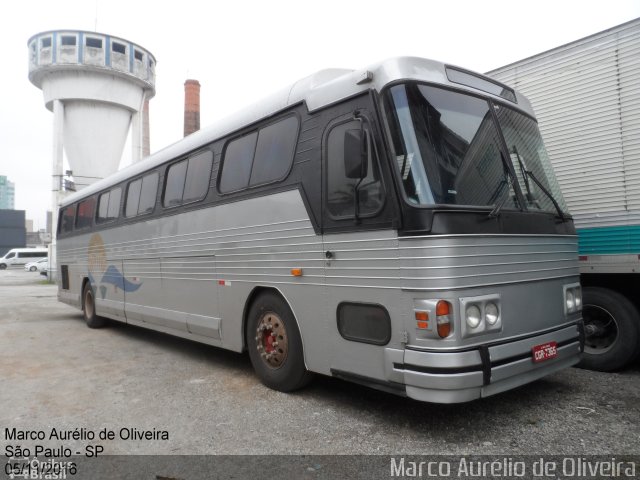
<point>586,96</point>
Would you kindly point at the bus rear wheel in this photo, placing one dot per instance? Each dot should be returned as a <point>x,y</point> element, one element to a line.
<point>612,330</point>
<point>89,308</point>
<point>274,343</point>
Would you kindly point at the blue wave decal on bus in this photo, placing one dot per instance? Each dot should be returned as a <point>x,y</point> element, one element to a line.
<point>108,274</point>
<point>114,277</point>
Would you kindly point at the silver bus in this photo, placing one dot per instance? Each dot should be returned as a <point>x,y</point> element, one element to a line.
<point>398,226</point>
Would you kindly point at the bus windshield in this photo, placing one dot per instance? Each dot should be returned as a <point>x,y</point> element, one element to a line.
<point>449,150</point>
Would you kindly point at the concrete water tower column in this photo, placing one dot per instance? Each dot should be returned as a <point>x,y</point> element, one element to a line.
<point>96,86</point>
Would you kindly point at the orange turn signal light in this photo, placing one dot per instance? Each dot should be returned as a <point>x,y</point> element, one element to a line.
<point>444,330</point>
<point>443,308</point>
<point>443,318</point>
<point>422,320</point>
<point>296,272</point>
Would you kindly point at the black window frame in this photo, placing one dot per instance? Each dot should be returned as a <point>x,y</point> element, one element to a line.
<point>223,161</point>
<point>292,153</point>
<point>376,160</point>
<point>90,217</point>
<point>154,197</point>
<point>61,224</point>
<point>361,339</point>
<point>256,130</point>
<point>99,220</point>
<point>141,178</point>
<point>188,159</point>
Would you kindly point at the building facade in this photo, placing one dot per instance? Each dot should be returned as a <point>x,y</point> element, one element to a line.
<point>7,193</point>
<point>13,233</point>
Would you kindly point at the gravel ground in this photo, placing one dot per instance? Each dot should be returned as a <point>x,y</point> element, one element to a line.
<point>56,373</point>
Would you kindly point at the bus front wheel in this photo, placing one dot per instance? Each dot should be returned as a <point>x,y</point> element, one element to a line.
<point>612,330</point>
<point>274,344</point>
<point>89,308</point>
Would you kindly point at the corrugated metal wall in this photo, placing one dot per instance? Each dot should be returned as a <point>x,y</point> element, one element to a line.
<point>586,96</point>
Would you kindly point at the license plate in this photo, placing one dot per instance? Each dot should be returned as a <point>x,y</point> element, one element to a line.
<point>543,352</point>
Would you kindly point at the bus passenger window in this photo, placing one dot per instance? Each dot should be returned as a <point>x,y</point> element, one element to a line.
<point>148,193</point>
<point>341,189</point>
<point>103,207</point>
<point>198,176</point>
<point>109,206</point>
<point>174,187</point>
<point>236,164</point>
<point>68,216</point>
<point>114,204</point>
<point>141,195</point>
<point>274,151</point>
<point>85,212</point>
<point>133,198</point>
<point>188,181</point>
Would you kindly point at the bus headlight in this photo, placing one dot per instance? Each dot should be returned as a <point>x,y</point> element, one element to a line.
<point>572,298</point>
<point>491,313</point>
<point>473,316</point>
<point>578,299</point>
<point>482,315</point>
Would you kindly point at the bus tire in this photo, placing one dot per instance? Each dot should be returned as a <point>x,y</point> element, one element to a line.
<point>612,330</point>
<point>89,308</point>
<point>274,344</point>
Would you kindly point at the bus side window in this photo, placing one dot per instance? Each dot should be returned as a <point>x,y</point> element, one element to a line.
<point>68,217</point>
<point>260,157</point>
<point>188,180</point>
<point>133,198</point>
<point>109,205</point>
<point>341,188</point>
<point>85,212</point>
<point>237,162</point>
<point>141,195</point>
<point>274,151</point>
<point>148,193</point>
<point>196,184</point>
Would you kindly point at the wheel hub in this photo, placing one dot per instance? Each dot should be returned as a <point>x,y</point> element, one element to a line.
<point>271,340</point>
<point>600,328</point>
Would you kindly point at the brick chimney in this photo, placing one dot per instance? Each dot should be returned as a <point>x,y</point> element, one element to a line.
<point>191,107</point>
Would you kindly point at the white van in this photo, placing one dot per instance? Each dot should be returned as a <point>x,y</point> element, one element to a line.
<point>21,256</point>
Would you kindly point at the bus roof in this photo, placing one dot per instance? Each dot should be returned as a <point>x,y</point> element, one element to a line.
<point>318,90</point>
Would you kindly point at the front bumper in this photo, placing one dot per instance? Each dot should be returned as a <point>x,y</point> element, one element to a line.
<point>468,374</point>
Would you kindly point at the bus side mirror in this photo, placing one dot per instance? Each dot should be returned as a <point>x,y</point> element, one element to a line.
<point>356,153</point>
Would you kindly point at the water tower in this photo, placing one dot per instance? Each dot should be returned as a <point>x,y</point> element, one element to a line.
<point>96,85</point>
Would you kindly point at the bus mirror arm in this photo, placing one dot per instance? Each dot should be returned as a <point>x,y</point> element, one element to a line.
<point>356,158</point>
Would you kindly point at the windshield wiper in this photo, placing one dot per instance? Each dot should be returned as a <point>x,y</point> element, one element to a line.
<point>506,182</point>
<point>529,174</point>
<point>547,193</point>
<point>498,206</point>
